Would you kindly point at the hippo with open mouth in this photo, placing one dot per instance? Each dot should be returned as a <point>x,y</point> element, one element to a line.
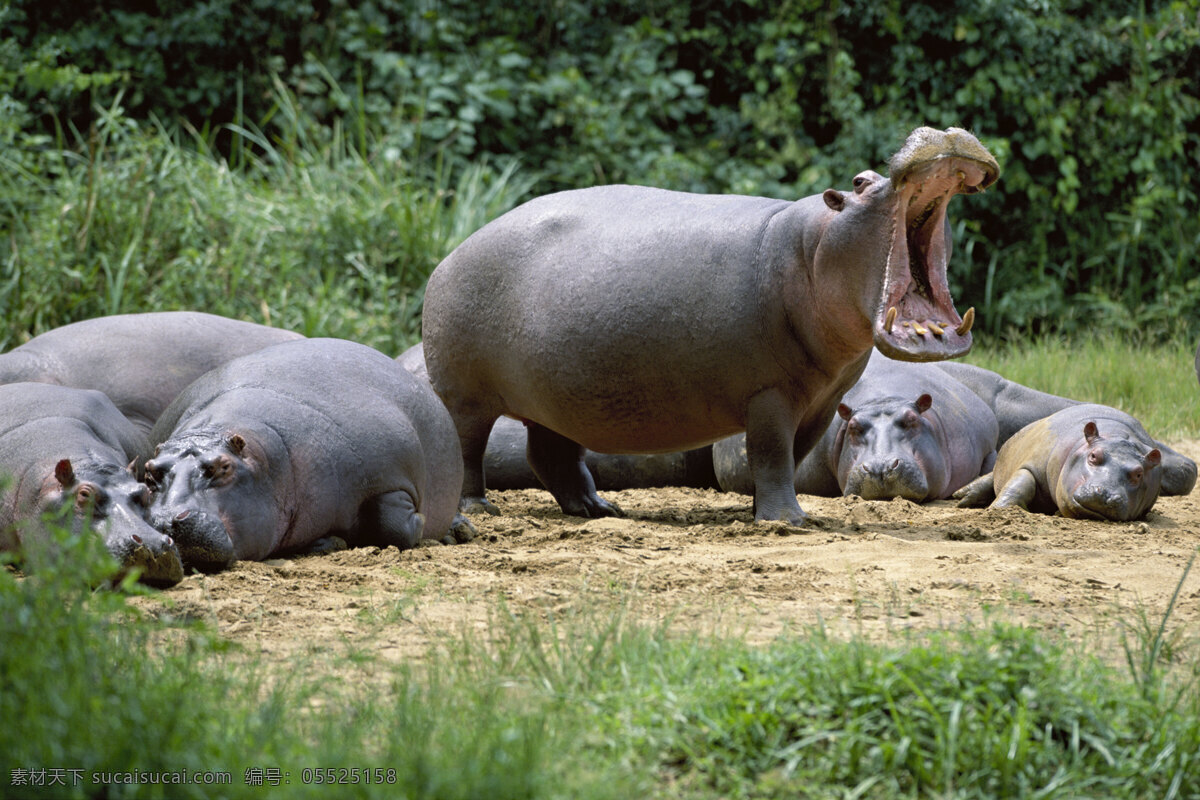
<point>627,319</point>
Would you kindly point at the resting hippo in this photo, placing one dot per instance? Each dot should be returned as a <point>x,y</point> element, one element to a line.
<point>1086,461</point>
<point>904,430</point>
<point>71,446</point>
<point>626,319</point>
<point>507,467</point>
<point>141,361</point>
<point>274,450</point>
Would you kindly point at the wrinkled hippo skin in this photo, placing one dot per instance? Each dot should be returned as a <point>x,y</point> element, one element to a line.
<point>625,319</point>
<point>274,450</point>
<point>904,430</point>
<point>1086,461</point>
<point>1014,405</point>
<point>141,361</point>
<point>507,467</point>
<point>65,447</point>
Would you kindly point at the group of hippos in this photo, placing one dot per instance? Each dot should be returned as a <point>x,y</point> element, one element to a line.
<point>761,346</point>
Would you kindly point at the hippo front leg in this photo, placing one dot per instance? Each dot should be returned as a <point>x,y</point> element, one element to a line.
<point>978,493</point>
<point>770,432</point>
<point>558,464</point>
<point>393,519</point>
<point>1020,491</point>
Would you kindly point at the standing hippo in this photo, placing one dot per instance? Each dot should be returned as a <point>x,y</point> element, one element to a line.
<point>904,430</point>
<point>141,361</point>
<point>62,446</point>
<point>626,319</point>
<point>1086,461</point>
<point>274,450</point>
<point>507,466</point>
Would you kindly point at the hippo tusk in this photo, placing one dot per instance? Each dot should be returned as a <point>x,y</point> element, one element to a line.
<point>938,330</point>
<point>967,322</point>
<point>920,329</point>
<point>890,321</point>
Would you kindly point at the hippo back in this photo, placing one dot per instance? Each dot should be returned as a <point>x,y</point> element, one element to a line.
<point>141,361</point>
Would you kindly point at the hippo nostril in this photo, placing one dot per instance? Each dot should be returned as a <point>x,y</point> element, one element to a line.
<point>182,515</point>
<point>170,542</point>
<point>136,538</point>
<point>895,464</point>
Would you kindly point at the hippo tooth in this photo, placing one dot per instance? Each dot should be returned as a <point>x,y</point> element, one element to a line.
<point>968,321</point>
<point>919,328</point>
<point>891,319</point>
<point>938,330</point>
<point>906,324</point>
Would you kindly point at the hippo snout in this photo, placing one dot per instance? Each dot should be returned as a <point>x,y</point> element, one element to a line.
<point>201,537</point>
<point>1100,501</point>
<point>157,557</point>
<point>886,478</point>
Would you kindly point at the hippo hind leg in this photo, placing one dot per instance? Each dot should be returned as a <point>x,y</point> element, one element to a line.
<point>558,463</point>
<point>390,519</point>
<point>473,432</point>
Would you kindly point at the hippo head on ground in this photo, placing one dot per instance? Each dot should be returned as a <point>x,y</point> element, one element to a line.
<point>109,501</point>
<point>210,495</point>
<point>1108,478</point>
<point>887,448</point>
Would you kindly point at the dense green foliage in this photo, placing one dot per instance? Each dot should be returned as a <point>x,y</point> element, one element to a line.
<point>587,705</point>
<point>1092,109</point>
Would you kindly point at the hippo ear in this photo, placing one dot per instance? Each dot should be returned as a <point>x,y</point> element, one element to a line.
<point>844,411</point>
<point>1090,432</point>
<point>923,403</point>
<point>64,472</point>
<point>1152,459</point>
<point>834,199</point>
<point>132,468</point>
<point>236,443</point>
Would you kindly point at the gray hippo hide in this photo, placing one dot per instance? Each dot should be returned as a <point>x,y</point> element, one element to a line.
<point>141,361</point>
<point>274,450</point>
<point>506,464</point>
<point>1086,461</point>
<point>1014,405</point>
<point>64,447</point>
<point>904,430</point>
<point>625,319</point>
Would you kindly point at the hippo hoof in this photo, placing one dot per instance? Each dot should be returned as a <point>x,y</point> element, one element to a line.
<point>461,531</point>
<point>474,505</point>
<point>593,507</point>
<point>327,545</point>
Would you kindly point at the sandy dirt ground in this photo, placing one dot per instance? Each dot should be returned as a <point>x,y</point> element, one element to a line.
<point>697,558</point>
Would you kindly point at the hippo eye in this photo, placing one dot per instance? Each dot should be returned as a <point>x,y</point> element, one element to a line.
<point>1095,458</point>
<point>1135,476</point>
<point>218,470</point>
<point>855,428</point>
<point>141,496</point>
<point>861,182</point>
<point>85,496</point>
<point>154,474</point>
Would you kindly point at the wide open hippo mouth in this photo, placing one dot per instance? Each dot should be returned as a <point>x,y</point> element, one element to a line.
<point>916,319</point>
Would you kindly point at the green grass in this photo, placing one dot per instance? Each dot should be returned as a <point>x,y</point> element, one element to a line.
<point>1155,382</point>
<point>588,705</point>
<point>322,237</point>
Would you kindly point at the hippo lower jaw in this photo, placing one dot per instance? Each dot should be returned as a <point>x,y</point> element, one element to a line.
<point>202,538</point>
<point>916,319</point>
<point>885,482</point>
<point>158,563</point>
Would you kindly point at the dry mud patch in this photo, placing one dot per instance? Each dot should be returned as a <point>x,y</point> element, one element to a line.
<point>697,558</point>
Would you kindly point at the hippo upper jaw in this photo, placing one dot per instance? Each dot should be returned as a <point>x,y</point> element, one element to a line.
<point>916,319</point>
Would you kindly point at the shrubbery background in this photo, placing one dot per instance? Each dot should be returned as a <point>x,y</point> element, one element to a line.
<point>238,155</point>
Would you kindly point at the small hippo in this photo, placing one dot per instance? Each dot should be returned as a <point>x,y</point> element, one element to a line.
<point>626,319</point>
<point>65,446</point>
<point>279,448</point>
<point>141,361</point>
<point>904,430</point>
<point>507,467</point>
<point>1086,461</point>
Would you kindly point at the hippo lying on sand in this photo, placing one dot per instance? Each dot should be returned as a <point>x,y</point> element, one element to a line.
<point>141,361</point>
<point>1087,461</point>
<point>507,467</point>
<point>277,449</point>
<point>64,446</point>
<point>626,319</point>
<point>904,430</point>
